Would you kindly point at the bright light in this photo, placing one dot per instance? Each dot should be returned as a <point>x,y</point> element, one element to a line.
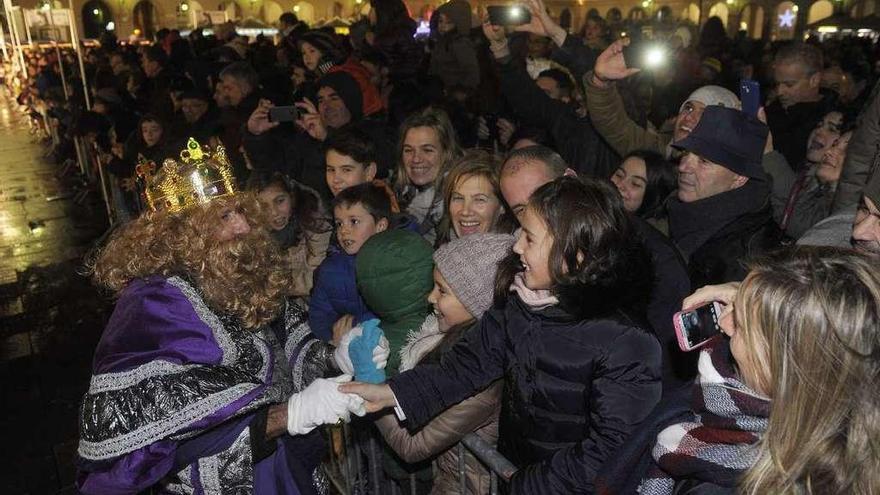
<point>645,4</point>
<point>743,26</point>
<point>358,1</point>
<point>827,29</point>
<point>111,26</point>
<point>184,7</point>
<point>136,32</point>
<point>654,57</point>
<point>296,8</point>
<point>730,2</point>
<point>794,9</point>
<point>45,6</point>
<point>96,11</point>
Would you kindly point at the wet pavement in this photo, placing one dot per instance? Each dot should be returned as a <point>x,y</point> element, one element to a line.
<point>50,315</point>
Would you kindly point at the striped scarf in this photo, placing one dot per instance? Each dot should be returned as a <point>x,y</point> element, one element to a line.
<point>719,445</point>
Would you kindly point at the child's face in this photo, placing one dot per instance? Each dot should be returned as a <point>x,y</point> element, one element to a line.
<point>354,225</point>
<point>533,247</point>
<point>343,172</point>
<point>447,307</point>
<point>277,202</point>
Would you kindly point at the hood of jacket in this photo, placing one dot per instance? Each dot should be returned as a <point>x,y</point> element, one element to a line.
<point>395,275</point>
<point>459,13</point>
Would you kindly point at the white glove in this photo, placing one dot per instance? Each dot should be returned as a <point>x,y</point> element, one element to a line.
<point>380,353</point>
<point>322,403</point>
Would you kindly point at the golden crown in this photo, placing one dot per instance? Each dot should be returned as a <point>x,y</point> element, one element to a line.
<point>200,177</point>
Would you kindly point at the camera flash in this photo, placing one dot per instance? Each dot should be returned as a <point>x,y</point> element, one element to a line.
<point>654,57</point>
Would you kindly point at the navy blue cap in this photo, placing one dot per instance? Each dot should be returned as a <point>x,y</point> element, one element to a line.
<point>730,138</point>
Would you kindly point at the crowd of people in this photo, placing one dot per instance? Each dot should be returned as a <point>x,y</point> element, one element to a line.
<point>490,230</point>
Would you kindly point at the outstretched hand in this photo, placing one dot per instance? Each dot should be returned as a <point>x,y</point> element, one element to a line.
<point>541,23</point>
<point>611,65</point>
<point>376,397</point>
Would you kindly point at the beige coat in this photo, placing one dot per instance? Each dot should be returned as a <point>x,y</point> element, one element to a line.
<point>478,414</point>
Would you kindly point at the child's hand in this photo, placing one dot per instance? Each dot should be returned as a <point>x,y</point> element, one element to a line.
<point>369,353</point>
<point>377,397</point>
<point>342,326</point>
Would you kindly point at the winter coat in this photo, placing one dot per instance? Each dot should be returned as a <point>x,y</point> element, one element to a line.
<point>454,58</point>
<point>791,127</point>
<point>862,154</point>
<point>577,140</point>
<point>426,208</point>
<point>608,115</point>
<point>335,294</point>
<point>477,414</point>
<point>811,203</point>
<point>395,274</point>
<point>575,385</point>
<point>404,54</point>
<point>835,230</point>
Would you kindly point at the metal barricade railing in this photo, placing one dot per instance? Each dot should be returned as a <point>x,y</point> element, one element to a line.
<point>352,445</point>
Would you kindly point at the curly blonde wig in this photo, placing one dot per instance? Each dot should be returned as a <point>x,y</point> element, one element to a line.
<point>243,277</point>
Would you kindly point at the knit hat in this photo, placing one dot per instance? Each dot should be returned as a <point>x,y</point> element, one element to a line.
<point>714,95</point>
<point>872,187</point>
<point>712,63</point>
<point>469,264</point>
<point>730,138</point>
<point>347,89</point>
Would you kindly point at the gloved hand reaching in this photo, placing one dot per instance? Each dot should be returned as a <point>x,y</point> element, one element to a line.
<point>321,403</point>
<point>380,351</point>
<point>369,353</point>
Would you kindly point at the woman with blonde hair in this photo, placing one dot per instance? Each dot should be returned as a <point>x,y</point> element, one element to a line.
<point>428,147</point>
<point>472,198</point>
<point>789,404</point>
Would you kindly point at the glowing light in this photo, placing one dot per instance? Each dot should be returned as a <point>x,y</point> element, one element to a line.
<point>654,57</point>
<point>827,29</point>
<point>786,19</point>
<point>794,9</point>
<point>184,7</point>
<point>730,2</point>
<point>136,32</point>
<point>296,8</point>
<point>45,7</point>
<point>96,11</point>
<point>111,26</point>
<point>358,1</point>
<point>743,26</point>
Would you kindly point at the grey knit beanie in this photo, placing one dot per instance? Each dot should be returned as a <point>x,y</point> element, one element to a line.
<point>469,264</point>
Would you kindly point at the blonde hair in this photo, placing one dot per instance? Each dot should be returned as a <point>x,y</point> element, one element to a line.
<point>242,277</point>
<point>812,317</point>
<point>437,120</point>
<point>474,163</point>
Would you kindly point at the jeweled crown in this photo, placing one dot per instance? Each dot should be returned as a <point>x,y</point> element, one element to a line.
<point>200,176</point>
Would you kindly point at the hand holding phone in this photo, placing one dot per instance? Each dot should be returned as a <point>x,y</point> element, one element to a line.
<point>284,114</point>
<point>508,15</point>
<point>646,55</point>
<point>750,96</point>
<point>696,327</point>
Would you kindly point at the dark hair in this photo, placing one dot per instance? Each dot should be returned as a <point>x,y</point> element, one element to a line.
<point>390,14</point>
<point>538,135</point>
<point>662,180</point>
<point>308,212</point>
<point>288,18</point>
<point>597,263</point>
<point>156,54</point>
<point>242,72</point>
<point>353,143</point>
<point>798,51</point>
<point>372,197</point>
<point>563,80</point>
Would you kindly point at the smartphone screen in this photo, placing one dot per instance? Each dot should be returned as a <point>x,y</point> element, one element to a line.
<point>750,95</point>
<point>283,114</point>
<point>508,15</point>
<point>645,55</point>
<point>697,326</point>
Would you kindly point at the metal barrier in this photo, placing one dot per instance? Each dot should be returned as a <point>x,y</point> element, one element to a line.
<point>349,474</point>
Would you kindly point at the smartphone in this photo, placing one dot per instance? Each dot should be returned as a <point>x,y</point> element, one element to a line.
<point>646,55</point>
<point>284,114</point>
<point>508,15</point>
<point>696,327</point>
<point>750,96</point>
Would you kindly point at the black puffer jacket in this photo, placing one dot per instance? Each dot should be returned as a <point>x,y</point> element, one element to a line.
<point>574,387</point>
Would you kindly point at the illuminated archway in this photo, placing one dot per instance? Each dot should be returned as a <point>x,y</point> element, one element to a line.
<point>95,17</point>
<point>751,20</point>
<point>721,11</point>
<point>784,21</point>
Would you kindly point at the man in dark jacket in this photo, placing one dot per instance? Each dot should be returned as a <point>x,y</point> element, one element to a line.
<point>158,98</point>
<point>299,152</point>
<point>576,139</point>
<point>800,105</point>
<point>721,213</point>
<point>201,119</point>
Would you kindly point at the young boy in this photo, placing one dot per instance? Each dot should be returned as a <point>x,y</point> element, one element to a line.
<point>360,212</point>
<point>351,160</point>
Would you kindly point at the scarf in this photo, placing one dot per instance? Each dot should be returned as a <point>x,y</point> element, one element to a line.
<point>419,343</point>
<point>692,224</point>
<point>718,446</point>
<point>535,299</point>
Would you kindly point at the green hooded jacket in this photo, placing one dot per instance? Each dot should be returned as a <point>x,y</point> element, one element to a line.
<point>394,276</point>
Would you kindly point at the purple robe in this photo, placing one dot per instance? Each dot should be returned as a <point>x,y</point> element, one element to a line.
<point>174,390</point>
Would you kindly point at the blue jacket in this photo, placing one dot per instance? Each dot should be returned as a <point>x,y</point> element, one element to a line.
<point>335,294</point>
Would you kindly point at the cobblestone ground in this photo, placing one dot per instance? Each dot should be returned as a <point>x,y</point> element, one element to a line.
<point>50,316</point>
